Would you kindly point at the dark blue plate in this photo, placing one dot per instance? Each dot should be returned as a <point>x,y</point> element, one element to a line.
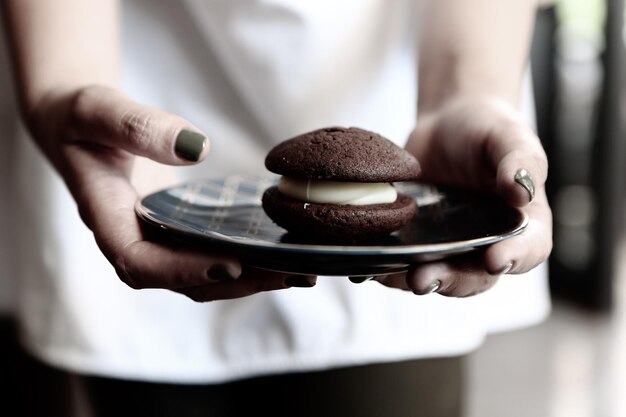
<point>226,213</point>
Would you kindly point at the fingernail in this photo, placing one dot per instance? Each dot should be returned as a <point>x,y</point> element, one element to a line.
<point>359,280</point>
<point>433,287</point>
<point>523,178</point>
<point>300,281</point>
<point>221,273</point>
<point>189,145</point>
<point>505,269</point>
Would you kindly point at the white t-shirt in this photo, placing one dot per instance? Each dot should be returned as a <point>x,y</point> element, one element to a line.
<point>249,73</point>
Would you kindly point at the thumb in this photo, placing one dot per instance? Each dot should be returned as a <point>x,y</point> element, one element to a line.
<point>107,117</point>
<point>522,165</point>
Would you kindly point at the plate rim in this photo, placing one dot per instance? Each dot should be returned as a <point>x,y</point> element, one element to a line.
<point>345,250</point>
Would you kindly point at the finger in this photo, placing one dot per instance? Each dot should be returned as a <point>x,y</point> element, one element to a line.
<point>143,264</point>
<point>397,280</point>
<point>522,165</point>
<point>107,117</point>
<point>106,203</point>
<point>462,276</point>
<point>252,281</point>
<point>528,249</point>
<point>452,279</point>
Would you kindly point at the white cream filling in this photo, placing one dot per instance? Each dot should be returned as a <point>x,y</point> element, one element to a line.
<point>336,192</point>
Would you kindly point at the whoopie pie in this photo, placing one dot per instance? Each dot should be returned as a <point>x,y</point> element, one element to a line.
<point>336,185</point>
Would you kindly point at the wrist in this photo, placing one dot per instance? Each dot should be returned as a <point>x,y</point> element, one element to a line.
<point>466,100</point>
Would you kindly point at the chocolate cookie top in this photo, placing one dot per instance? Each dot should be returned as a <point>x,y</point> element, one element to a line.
<point>342,154</point>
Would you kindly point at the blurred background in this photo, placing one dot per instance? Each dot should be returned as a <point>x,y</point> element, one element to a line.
<point>574,364</point>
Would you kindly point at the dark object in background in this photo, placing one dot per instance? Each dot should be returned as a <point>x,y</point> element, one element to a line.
<point>580,122</point>
<point>30,388</point>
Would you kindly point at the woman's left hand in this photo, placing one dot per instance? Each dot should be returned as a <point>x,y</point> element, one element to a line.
<point>482,144</point>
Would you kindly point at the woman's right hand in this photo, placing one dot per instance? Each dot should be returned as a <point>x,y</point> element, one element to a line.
<point>92,135</point>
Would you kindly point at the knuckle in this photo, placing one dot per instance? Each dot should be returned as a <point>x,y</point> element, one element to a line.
<point>125,273</point>
<point>81,107</point>
<point>137,128</point>
<point>453,288</point>
<point>468,286</point>
<point>83,103</point>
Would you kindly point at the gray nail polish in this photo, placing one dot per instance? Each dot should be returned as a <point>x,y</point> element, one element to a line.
<point>523,178</point>
<point>221,273</point>
<point>359,280</point>
<point>300,281</point>
<point>189,145</point>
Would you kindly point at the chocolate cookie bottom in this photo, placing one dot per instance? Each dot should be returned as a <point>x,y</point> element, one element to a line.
<point>338,223</point>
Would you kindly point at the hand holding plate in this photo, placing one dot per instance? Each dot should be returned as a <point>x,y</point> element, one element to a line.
<point>482,144</point>
<point>94,137</point>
